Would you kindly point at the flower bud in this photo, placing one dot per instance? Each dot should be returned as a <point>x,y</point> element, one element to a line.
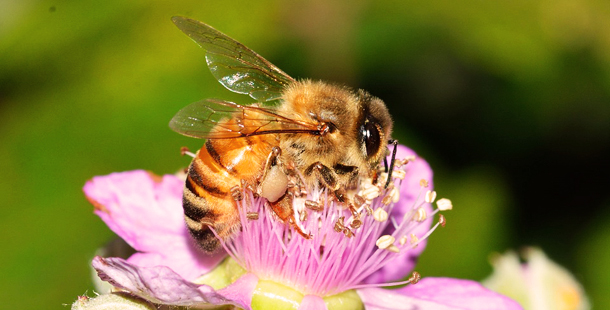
<point>114,301</point>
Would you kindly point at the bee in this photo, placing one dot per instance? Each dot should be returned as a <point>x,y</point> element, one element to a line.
<point>297,133</point>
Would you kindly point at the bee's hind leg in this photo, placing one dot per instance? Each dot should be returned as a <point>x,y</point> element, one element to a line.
<point>284,210</point>
<point>274,182</point>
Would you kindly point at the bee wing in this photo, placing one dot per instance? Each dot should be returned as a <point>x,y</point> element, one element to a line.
<point>219,119</point>
<point>234,65</point>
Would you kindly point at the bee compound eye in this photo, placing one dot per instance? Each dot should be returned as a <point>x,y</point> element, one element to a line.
<point>371,138</point>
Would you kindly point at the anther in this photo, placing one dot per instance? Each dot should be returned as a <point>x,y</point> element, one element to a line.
<point>400,162</point>
<point>385,241</point>
<point>414,240</point>
<point>252,216</point>
<point>348,233</point>
<point>420,215</point>
<point>380,215</point>
<point>442,220</point>
<point>339,224</point>
<point>393,248</point>
<point>236,193</point>
<point>423,183</point>
<point>402,240</point>
<point>399,174</point>
<point>354,211</point>
<point>313,205</point>
<point>444,204</point>
<point>371,193</point>
<point>302,216</point>
<point>395,194</point>
<point>386,200</point>
<point>415,277</point>
<point>355,224</point>
<point>430,196</point>
<point>185,151</point>
<point>358,200</point>
<point>368,209</point>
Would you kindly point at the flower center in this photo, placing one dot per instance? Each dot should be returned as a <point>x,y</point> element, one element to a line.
<point>348,244</point>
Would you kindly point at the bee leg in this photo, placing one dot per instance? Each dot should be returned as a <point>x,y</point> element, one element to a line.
<point>283,209</point>
<point>274,182</point>
<point>272,160</point>
<point>325,175</point>
<point>328,178</point>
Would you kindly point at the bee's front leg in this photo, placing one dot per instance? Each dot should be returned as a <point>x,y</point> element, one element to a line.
<point>329,178</point>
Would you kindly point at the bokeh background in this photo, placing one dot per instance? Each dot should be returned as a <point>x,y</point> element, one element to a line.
<point>509,101</point>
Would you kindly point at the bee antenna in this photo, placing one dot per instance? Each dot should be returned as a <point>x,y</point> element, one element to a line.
<point>392,160</point>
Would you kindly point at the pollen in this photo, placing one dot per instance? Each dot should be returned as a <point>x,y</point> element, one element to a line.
<point>444,204</point>
<point>385,241</point>
<point>380,215</point>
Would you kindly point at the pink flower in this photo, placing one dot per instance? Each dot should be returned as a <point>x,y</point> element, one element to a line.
<point>343,266</point>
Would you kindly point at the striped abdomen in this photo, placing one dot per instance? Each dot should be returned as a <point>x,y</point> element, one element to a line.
<point>219,166</point>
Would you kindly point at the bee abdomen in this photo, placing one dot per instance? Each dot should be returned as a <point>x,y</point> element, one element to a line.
<point>201,219</point>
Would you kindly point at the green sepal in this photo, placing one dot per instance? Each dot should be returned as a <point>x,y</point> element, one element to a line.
<point>227,272</point>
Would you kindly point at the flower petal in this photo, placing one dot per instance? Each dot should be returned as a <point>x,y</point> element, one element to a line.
<point>312,302</point>
<point>146,211</point>
<point>161,285</point>
<point>410,188</point>
<point>437,294</point>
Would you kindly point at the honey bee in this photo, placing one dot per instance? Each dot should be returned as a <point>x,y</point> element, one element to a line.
<point>297,133</point>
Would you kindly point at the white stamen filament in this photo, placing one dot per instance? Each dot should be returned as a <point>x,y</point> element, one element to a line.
<point>426,235</point>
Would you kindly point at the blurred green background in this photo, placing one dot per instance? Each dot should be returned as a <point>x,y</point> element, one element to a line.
<point>509,101</point>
